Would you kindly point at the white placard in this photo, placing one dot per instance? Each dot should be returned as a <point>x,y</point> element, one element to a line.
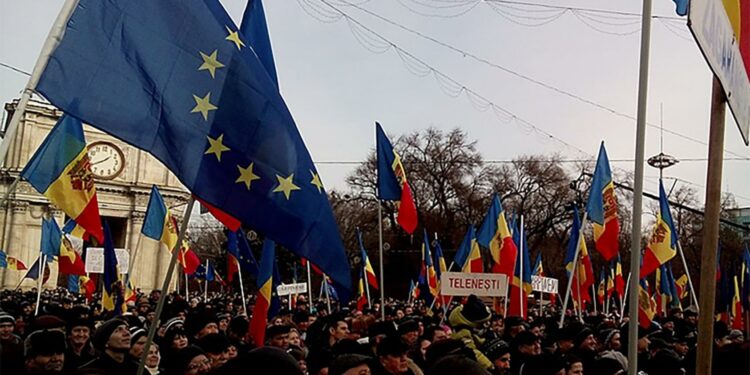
<point>95,260</point>
<point>287,289</point>
<point>543,284</point>
<point>479,284</point>
<point>713,32</point>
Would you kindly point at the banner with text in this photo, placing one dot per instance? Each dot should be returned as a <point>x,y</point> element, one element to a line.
<point>543,284</point>
<point>479,284</point>
<point>287,289</point>
<point>95,260</point>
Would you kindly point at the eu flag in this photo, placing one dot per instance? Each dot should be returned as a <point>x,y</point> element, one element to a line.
<point>178,79</point>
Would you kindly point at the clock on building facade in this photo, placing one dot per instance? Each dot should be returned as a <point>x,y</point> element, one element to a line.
<point>107,160</point>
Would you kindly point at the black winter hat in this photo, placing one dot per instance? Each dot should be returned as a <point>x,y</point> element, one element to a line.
<point>44,342</point>
<point>495,349</point>
<point>102,334</point>
<point>183,357</point>
<point>475,310</point>
<point>407,325</point>
<point>214,343</point>
<point>345,362</point>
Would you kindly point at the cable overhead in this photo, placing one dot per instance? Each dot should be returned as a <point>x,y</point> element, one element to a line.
<point>523,76</point>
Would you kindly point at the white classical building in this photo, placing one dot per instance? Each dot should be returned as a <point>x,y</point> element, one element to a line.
<point>123,184</point>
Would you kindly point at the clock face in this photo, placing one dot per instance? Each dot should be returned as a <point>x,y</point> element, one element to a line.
<point>107,161</point>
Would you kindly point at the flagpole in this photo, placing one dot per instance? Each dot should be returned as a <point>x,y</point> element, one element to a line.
<point>694,298</point>
<point>580,298</point>
<point>367,288</point>
<point>131,262</point>
<point>624,299</point>
<point>309,285</point>
<point>53,39</point>
<point>167,280</point>
<point>205,290</point>
<point>593,298</point>
<point>572,271</point>
<point>40,277</point>
<point>520,270</point>
<point>184,272</point>
<point>382,274</point>
<point>328,295</point>
<point>242,287</point>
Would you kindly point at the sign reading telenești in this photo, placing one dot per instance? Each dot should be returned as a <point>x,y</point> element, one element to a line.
<point>287,289</point>
<point>543,284</point>
<point>719,28</point>
<point>479,284</point>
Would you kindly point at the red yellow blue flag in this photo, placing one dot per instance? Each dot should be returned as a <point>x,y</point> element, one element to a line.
<point>663,243</point>
<point>113,295</point>
<point>495,235</point>
<point>602,208</point>
<point>61,170</point>
<point>159,224</point>
<point>369,271</point>
<point>428,268</point>
<point>646,305</point>
<point>392,183</point>
<point>468,257</point>
<point>257,329</point>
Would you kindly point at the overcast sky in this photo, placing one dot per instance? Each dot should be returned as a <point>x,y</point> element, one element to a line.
<point>336,88</point>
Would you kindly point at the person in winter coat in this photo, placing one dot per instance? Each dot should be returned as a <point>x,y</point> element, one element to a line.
<point>466,321</point>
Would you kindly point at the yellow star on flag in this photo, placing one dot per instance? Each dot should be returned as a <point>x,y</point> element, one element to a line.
<point>216,146</point>
<point>210,63</point>
<point>246,175</point>
<point>234,37</point>
<point>203,105</point>
<point>316,181</point>
<point>286,185</point>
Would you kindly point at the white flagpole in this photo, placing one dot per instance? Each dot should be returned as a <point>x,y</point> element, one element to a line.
<point>309,285</point>
<point>328,295</point>
<point>572,272</point>
<point>40,282</point>
<point>205,290</point>
<point>50,44</point>
<point>382,274</point>
<point>520,270</point>
<point>624,299</point>
<point>594,295</point>
<point>694,298</point>
<point>242,287</point>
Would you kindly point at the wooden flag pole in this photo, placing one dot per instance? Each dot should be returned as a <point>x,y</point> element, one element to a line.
<point>167,279</point>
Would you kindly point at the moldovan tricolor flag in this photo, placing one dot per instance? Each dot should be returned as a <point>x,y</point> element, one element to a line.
<point>602,208</point>
<point>646,305</point>
<point>520,285</point>
<point>15,264</point>
<point>362,299</point>
<point>69,262</point>
<point>619,280</point>
<point>61,170</point>
<point>187,259</point>
<point>584,275</point>
<point>392,183</point>
<point>428,268</point>
<point>663,243</point>
<point>113,295</point>
<point>159,224</point>
<point>495,235</point>
<point>737,307</point>
<point>469,257</point>
<point>369,271</point>
<point>257,329</point>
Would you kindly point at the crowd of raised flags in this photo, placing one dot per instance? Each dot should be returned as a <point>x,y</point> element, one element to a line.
<point>272,194</point>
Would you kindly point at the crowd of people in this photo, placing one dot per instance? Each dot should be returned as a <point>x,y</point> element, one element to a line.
<point>196,336</point>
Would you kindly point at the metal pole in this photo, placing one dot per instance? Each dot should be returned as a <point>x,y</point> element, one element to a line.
<point>624,299</point>
<point>367,287</point>
<point>694,297</point>
<point>328,295</point>
<point>382,274</point>
<point>572,272</point>
<point>309,286</point>
<point>184,272</point>
<point>134,256</point>
<point>594,295</point>
<point>520,271</point>
<point>580,300</point>
<point>205,290</point>
<point>167,279</point>
<point>40,282</point>
<point>640,152</point>
<point>242,286</point>
<point>711,230</point>
<point>53,39</point>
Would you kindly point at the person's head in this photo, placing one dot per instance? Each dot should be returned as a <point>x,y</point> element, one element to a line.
<point>138,338</point>
<point>201,324</point>
<point>7,324</point>
<point>44,352</point>
<point>528,343</point>
<point>175,337</point>
<point>295,338</point>
<point>391,353</point>
<point>565,339</point>
<point>457,364</point>
<point>585,341</point>
<point>691,316</point>
<point>223,321</point>
<point>721,334</point>
<point>545,364</point>
<point>337,330</point>
<point>154,357</point>
<point>513,326</point>
<point>680,345</point>
<point>79,332</point>
<point>409,332</point>
<point>573,365</point>
<point>350,364</point>
<point>668,325</point>
<point>498,352</point>
<point>609,339</point>
<point>191,361</point>
<point>216,348</point>
<point>736,336</point>
<point>112,336</point>
<point>497,324</point>
<point>278,336</point>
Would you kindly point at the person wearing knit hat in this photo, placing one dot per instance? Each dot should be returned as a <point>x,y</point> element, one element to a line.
<point>513,326</point>
<point>11,356</point>
<point>216,347</point>
<point>191,360</point>
<point>609,339</point>
<point>79,349</point>
<point>498,351</point>
<point>112,343</point>
<point>585,347</point>
<point>201,324</point>
<point>408,329</point>
<point>350,364</point>
<point>609,362</point>
<point>545,364</point>
<point>44,352</point>
<point>526,348</point>
<point>138,338</point>
<point>222,320</point>
<point>466,320</point>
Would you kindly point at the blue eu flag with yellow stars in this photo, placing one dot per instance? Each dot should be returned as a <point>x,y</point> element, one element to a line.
<point>179,79</point>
